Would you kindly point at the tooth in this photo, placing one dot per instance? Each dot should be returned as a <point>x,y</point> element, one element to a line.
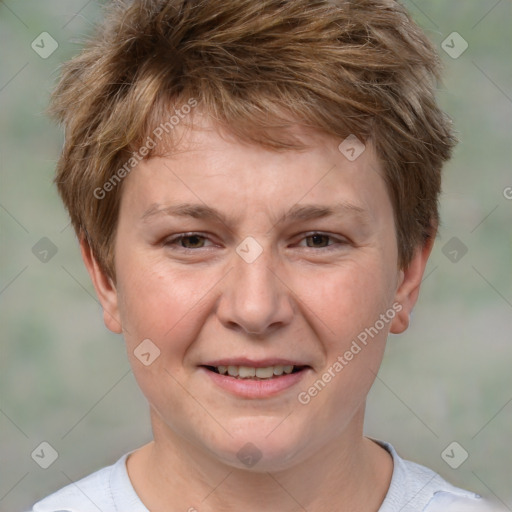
<point>265,373</point>
<point>246,371</point>
<point>278,370</point>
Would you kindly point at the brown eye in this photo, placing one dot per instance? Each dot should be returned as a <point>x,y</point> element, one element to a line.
<point>323,241</point>
<point>192,241</point>
<point>318,240</point>
<point>187,241</point>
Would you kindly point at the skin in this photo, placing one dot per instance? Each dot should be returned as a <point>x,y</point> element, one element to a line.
<point>304,297</point>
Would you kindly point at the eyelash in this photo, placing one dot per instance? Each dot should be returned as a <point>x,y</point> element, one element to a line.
<point>178,238</point>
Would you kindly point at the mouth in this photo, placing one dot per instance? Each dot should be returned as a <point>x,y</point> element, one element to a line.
<point>252,379</point>
<point>255,373</point>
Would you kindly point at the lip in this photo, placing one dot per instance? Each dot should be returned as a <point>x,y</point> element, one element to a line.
<point>262,363</point>
<point>249,388</point>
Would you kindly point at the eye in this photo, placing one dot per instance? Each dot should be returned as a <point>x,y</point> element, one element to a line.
<point>192,241</point>
<point>187,241</point>
<point>321,241</point>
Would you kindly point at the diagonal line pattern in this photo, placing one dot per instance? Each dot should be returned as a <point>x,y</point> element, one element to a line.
<point>485,218</point>
<point>3,412</point>
<point>424,14</point>
<point>102,397</point>
<point>80,284</point>
<point>216,487</point>
<point>198,301</point>
<point>419,491</point>
<point>377,377</point>
<point>491,419</point>
<point>13,279</point>
<point>297,298</point>
<point>13,13</point>
<point>65,227</point>
<point>491,491</point>
<point>76,14</point>
<point>430,273</point>
<point>198,402</point>
<point>303,196</point>
<point>280,423</point>
<point>14,76</point>
<point>14,218</point>
<point>177,177</point>
<point>487,13</point>
<point>286,491</point>
<point>90,295</point>
<point>88,497</point>
<point>12,488</point>
<point>492,81</point>
<point>492,286</point>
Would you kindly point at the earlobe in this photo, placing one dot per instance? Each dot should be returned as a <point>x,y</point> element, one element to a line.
<point>105,288</point>
<point>408,287</point>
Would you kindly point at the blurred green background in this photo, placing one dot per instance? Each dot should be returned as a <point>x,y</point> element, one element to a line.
<point>65,379</point>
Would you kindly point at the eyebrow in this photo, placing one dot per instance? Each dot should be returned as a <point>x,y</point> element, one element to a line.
<point>297,212</point>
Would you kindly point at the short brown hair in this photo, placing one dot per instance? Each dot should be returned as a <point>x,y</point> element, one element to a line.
<point>359,67</point>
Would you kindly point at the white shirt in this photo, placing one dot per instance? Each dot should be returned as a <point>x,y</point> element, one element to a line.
<point>413,488</point>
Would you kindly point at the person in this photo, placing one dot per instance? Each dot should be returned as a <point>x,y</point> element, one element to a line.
<point>254,186</point>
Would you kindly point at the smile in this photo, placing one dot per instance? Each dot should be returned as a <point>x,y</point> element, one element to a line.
<point>252,382</point>
<point>250,372</point>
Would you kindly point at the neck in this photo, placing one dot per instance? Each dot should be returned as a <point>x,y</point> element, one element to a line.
<point>351,471</point>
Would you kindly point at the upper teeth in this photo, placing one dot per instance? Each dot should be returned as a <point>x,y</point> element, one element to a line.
<point>246,372</point>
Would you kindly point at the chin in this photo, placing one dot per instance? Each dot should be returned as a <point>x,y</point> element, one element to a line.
<point>261,449</point>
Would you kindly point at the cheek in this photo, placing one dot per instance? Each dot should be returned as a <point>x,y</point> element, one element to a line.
<point>166,308</point>
<point>347,314</point>
<point>161,305</point>
<point>349,298</point>
<point>349,305</point>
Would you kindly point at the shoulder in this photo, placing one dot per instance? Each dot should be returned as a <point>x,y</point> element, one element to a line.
<point>448,502</point>
<point>92,493</point>
<point>416,488</point>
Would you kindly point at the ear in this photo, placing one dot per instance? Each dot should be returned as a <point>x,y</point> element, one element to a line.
<point>105,288</point>
<point>409,285</point>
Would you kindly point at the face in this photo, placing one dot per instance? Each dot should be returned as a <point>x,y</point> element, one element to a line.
<point>233,258</point>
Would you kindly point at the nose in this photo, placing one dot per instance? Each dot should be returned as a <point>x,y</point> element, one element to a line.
<point>255,299</point>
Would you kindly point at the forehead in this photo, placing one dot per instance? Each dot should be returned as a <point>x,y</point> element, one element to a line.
<point>222,175</point>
